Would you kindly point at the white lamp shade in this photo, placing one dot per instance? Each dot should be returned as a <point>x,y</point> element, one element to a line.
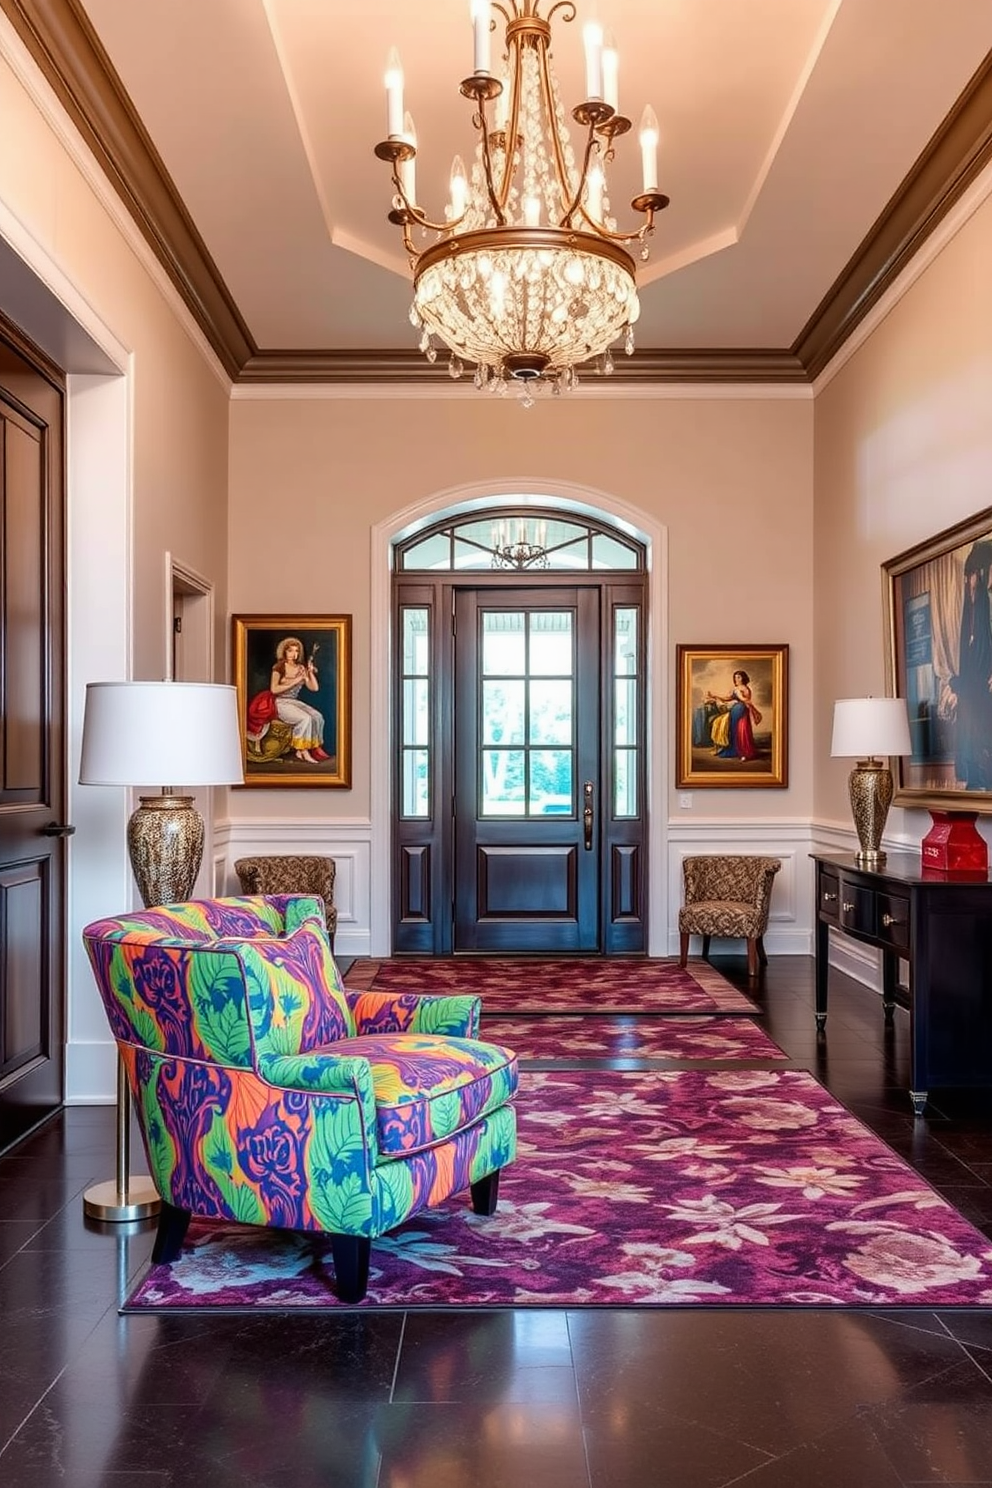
<point>161,733</point>
<point>870,726</point>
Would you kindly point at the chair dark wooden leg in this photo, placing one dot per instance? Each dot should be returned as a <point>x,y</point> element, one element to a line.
<point>761,951</point>
<point>683,949</point>
<point>485,1193</point>
<point>351,1255</point>
<point>752,958</point>
<point>706,946</point>
<point>172,1226</point>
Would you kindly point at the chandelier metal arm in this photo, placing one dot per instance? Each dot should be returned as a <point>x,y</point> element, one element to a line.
<point>575,205</point>
<point>548,93</point>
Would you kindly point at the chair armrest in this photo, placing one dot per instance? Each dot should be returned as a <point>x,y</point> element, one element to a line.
<point>413,1012</point>
<point>320,1074</point>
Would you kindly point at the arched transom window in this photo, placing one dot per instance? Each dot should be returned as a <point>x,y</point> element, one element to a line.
<point>513,540</point>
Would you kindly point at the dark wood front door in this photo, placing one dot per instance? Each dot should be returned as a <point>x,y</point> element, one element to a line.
<point>527,770</point>
<point>32,749</point>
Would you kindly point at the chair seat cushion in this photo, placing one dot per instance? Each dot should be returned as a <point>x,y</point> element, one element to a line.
<point>719,917</point>
<point>427,1089</point>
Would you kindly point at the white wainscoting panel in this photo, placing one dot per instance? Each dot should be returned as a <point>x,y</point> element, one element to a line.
<point>348,842</point>
<point>790,921</point>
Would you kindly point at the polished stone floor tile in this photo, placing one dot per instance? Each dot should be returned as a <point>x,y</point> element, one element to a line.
<point>599,1398</point>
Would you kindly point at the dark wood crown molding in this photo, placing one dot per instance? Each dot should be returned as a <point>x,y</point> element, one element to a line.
<point>956,155</point>
<point>62,41</point>
<point>60,38</point>
<point>410,366</point>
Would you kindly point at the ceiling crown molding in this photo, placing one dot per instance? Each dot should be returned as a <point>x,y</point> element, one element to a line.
<point>954,158</point>
<point>60,38</point>
<point>64,45</point>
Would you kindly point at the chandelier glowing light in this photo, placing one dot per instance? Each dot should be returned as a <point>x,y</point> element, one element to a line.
<point>528,275</point>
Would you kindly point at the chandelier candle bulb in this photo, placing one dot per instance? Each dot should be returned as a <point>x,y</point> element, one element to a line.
<point>611,73</point>
<point>649,149</point>
<point>481,23</point>
<point>394,95</point>
<point>408,168</point>
<point>593,37</point>
<point>594,201</point>
<point>459,189</point>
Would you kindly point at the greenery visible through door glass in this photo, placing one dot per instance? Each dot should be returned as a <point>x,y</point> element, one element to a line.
<point>527,697</point>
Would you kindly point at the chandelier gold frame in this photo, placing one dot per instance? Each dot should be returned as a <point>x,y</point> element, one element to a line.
<point>523,300</point>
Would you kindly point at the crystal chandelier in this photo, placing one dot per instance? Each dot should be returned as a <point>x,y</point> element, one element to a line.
<point>528,275</point>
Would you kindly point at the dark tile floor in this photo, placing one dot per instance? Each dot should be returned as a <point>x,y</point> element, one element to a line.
<point>618,1398</point>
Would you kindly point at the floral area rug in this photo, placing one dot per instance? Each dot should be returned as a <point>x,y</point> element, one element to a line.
<point>666,1188</point>
<point>564,985</point>
<point>594,1036</point>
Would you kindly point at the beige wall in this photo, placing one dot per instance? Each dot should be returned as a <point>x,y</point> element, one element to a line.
<point>178,450</point>
<point>730,478</point>
<point>903,449</point>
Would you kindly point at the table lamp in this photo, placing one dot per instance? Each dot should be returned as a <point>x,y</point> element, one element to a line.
<point>865,728</point>
<point>135,733</point>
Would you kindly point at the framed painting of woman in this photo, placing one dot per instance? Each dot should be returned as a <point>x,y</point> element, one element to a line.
<point>293,676</point>
<point>732,717</point>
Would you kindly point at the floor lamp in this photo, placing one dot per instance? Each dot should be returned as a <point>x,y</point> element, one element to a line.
<point>135,732</point>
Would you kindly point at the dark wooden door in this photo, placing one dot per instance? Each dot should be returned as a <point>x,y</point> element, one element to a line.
<point>32,747</point>
<point>527,770</point>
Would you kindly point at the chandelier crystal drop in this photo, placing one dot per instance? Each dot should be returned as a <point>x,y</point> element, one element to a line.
<point>527,276</point>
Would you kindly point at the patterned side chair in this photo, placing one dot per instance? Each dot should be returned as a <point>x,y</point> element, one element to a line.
<point>291,874</point>
<point>266,1093</point>
<point>728,896</point>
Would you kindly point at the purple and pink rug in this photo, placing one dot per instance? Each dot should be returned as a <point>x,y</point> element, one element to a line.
<point>592,1036</point>
<point>565,985</point>
<point>663,1188</point>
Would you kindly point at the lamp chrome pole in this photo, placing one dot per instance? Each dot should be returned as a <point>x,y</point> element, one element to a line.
<point>127,1196</point>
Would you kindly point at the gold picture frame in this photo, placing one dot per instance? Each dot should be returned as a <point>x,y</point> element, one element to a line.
<point>732,717</point>
<point>939,658</point>
<point>293,678</point>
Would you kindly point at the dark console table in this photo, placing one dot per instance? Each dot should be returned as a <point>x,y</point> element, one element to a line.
<point>943,929</point>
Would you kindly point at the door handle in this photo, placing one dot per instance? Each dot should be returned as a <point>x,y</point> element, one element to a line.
<point>587,814</point>
<point>57,829</point>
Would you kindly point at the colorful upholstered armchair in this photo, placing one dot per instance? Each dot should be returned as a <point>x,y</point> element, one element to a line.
<point>267,1093</point>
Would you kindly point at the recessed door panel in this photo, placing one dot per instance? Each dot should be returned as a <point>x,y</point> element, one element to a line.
<point>527,769</point>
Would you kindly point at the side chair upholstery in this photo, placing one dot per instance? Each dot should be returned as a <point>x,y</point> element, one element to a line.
<point>268,1093</point>
<point>291,873</point>
<point>727,896</point>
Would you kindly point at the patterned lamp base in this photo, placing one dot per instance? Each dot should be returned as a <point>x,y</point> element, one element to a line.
<point>954,847</point>
<point>165,840</point>
<point>870,785</point>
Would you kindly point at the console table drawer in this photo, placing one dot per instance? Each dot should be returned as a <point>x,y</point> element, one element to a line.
<point>857,908</point>
<point>893,912</point>
<point>829,890</point>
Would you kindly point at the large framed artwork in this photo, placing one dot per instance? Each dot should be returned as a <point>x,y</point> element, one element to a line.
<point>939,656</point>
<point>732,717</point>
<point>293,675</point>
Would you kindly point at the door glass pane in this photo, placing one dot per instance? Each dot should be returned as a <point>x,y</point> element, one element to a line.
<point>433,552</point>
<point>607,552</point>
<point>625,779</point>
<point>551,782</point>
<point>415,711</point>
<point>503,712</point>
<point>504,650</point>
<point>550,712</point>
<point>503,791</point>
<point>416,796</point>
<point>415,640</point>
<point>626,710</point>
<point>551,644</point>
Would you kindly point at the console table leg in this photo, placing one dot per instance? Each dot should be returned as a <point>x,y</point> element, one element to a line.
<point>890,981</point>
<point>919,1099</point>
